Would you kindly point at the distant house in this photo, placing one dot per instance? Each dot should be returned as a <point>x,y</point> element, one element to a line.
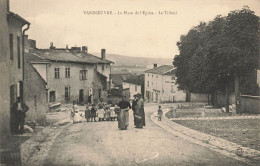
<point>117,78</point>
<point>160,85</point>
<point>72,74</point>
<point>135,85</point>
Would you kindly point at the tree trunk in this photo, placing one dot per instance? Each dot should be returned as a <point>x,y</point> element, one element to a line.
<point>227,99</point>
<point>237,93</point>
<point>213,98</point>
<point>209,99</point>
<point>187,96</point>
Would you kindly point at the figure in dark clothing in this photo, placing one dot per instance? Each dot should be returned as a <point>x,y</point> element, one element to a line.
<point>90,99</point>
<point>19,110</point>
<point>87,114</point>
<point>140,112</point>
<point>93,113</point>
<point>134,107</point>
<point>123,117</point>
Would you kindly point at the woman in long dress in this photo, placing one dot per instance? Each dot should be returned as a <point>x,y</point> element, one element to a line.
<point>123,116</point>
<point>140,112</point>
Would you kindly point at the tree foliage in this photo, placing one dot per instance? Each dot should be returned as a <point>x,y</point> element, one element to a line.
<point>212,53</point>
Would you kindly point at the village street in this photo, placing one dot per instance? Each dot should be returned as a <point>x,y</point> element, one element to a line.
<point>101,143</point>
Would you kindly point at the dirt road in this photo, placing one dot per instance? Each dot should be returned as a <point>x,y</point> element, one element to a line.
<point>102,143</point>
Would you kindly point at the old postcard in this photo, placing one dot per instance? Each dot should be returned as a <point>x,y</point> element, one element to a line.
<point>129,82</point>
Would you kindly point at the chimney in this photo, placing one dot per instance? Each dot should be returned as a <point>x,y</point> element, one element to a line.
<point>32,43</point>
<point>155,65</point>
<point>85,49</point>
<point>76,49</point>
<point>103,54</point>
<point>51,45</point>
<point>67,47</point>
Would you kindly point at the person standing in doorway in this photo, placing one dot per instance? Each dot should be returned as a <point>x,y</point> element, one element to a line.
<point>19,109</point>
<point>123,117</point>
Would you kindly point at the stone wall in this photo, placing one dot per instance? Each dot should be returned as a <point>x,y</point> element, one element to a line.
<point>249,104</point>
<point>4,72</point>
<point>35,94</point>
<point>199,97</point>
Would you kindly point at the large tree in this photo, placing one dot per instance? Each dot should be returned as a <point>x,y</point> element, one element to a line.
<point>214,55</point>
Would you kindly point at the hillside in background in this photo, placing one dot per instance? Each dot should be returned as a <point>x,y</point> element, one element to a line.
<point>136,61</point>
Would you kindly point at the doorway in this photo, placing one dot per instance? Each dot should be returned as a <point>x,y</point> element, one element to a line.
<point>52,96</point>
<point>81,96</point>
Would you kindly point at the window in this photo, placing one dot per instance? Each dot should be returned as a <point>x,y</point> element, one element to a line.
<point>57,73</point>
<point>11,40</point>
<point>135,87</point>
<point>18,52</point>
<point>83,74</point>
<point>147,83</point>
<point>103,67</point>
<point>67,72</point>
<point>152,76</point>
<point>173,78</point>
<point>148,75</point>
<point>67,92</point>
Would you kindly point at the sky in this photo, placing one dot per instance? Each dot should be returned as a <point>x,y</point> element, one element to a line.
<point>63,22</point>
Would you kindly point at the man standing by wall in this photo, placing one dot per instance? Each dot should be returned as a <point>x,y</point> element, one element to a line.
<point>19,110</point>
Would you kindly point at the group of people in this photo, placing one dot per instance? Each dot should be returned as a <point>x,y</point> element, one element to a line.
<point>94,113</point>
<point>138,112</point>
<point>111,112</point>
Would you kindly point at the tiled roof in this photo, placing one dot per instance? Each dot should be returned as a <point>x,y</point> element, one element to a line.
<point>16,16</point>
<point>117,79</point>
<point>137,80</point>
<point>172,72</point>
<point>63,55</point>
<point>164,69</point>
<point>33,57</point>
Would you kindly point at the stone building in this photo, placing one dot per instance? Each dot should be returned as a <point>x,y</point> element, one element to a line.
<point>11,62</point>
<point>35,94</point>
<point>72,74</point>
<point>135,85</point>
<point>160,85</point>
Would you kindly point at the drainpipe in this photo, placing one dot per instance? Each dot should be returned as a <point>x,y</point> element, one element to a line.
<point>28,26</point>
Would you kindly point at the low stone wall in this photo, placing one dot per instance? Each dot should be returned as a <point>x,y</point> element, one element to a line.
<point>250,104</point>
<point>221,99</point>
<point>198,97</point>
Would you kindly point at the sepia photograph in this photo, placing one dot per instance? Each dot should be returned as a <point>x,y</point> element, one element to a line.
<point>129,83</point>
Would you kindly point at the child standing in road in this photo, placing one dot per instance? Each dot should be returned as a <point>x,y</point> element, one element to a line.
<point>112,113</point>
<point>101,113</point>
<point>160,113</point>
<point>87,113</point>
<point>77,117</point>
<point>93,113</point>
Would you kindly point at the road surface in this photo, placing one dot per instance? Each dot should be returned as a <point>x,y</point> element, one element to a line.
<point>102,143</point>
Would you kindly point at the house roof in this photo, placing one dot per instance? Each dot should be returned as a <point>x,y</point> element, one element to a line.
<point>101,75</point>
<point>164,69</point>
<point>33,57</point>
<point>63,55</point>
<point>137,80</point>
<point>39,76</point>
<point>17,17</point>
<point>117,79</point>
